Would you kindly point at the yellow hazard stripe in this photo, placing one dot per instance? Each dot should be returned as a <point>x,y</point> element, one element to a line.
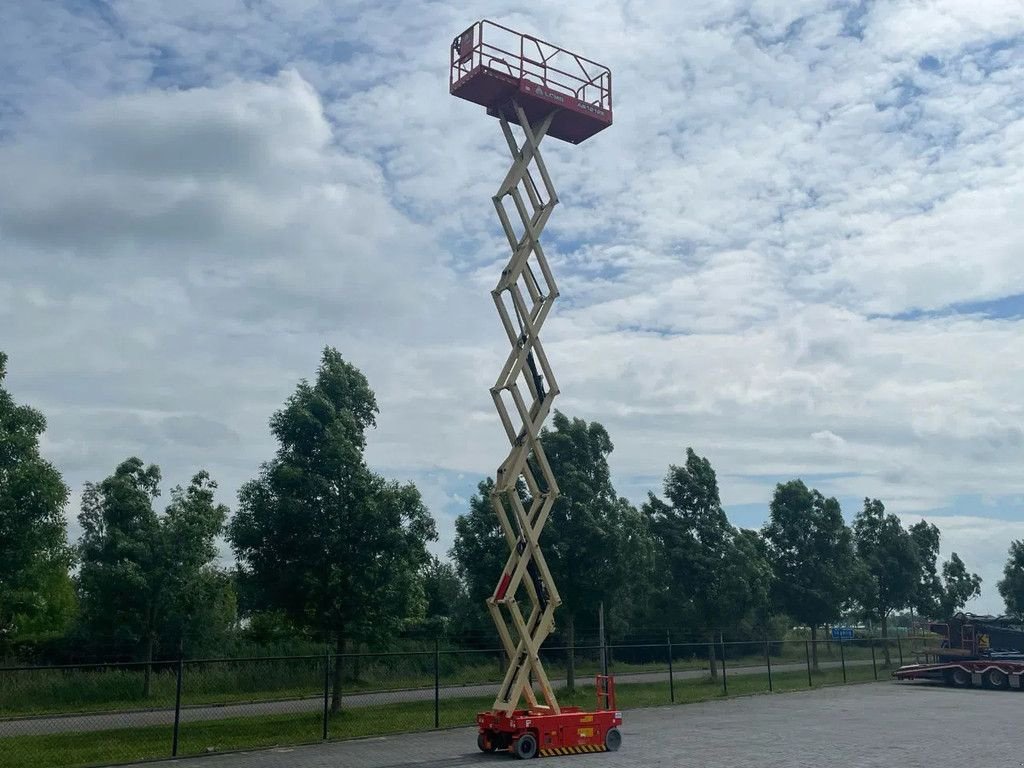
<point>550,751</point>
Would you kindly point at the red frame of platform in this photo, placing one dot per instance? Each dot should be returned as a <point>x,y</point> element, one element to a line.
<point>574,728</point>
<point>493,65</point>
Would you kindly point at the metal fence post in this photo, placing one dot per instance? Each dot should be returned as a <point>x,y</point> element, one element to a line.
<point>671,681</point>
<point>339,672</point>
<point>768,661</point>
<point>177,707</point>
<point>327,688</point>
<point>437,683</point>
<point>899,647</point>
<point>807,653</point>
<point>842,657</point>
<point>874,665</point>
<point>725,682</point>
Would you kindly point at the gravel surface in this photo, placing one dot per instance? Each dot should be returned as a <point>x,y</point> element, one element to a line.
<point>909,725</point>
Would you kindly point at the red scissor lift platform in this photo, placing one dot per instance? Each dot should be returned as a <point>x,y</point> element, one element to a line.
<point>546,91</point>
<point>493,66</point>
<point>528,734</point>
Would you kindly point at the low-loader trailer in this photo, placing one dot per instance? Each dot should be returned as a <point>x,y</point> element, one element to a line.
<point>972,650</point>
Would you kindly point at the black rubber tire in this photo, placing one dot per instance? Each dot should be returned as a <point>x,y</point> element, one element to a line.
<point>613,740</point>
<point>525,746</point>
<point>960,678</point>
<point>484,744</point>
<point>997,679</point>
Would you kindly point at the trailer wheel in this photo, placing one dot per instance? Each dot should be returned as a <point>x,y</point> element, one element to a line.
<point>613,740</point>
<point>997,678</point>
<point>525,746</point>
<point>961,678</point>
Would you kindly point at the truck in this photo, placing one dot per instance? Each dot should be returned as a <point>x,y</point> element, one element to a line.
<point>972,651</point>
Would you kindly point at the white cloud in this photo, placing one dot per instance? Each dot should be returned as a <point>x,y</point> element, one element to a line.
<point>198,197</point>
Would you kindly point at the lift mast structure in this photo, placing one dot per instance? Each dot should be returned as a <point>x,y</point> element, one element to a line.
<point>545,91</point>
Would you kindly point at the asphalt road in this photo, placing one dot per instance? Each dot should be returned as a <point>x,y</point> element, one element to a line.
<point>103,721</point>
<point>878,725</point>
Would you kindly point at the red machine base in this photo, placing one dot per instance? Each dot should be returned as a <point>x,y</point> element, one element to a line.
<point>526,734</point>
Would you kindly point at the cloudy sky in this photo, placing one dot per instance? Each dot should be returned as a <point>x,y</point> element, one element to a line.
<point>796,250</point>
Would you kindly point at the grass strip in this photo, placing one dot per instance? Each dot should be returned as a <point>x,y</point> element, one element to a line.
<point>65,692</point>
<point>79,750</point>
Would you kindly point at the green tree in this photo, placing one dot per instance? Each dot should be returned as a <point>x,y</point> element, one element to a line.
<point>1011,588</point>
<point>589,524</point>
<point>928,591</point>
<point>938,597</point>
<point>320,537</point>
<point>812,556</point>
<point>701,552</point>
<point>140,570</point>
<point>33,531</point>
<point>958,586</point>
<point>890,564</point>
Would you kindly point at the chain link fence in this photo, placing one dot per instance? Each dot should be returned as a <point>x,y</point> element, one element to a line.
<point>86,715</point>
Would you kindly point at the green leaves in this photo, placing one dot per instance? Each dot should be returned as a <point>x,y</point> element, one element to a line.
<point>927,599</point>
<point>811,552</point>
<point>591,539</point>
<point>958,586</point>
<point>320,537</point>
<point>33,531</point>
<point>1012,585</point>
<point>890,561</point>
<point>716,575</point>
<point>145,575</point>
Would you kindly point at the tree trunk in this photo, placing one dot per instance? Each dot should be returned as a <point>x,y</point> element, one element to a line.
<point>885,640</point>
<point>336,674</point>
<point>570,660</point>
<point>712,656</point>
<point>814,648</point>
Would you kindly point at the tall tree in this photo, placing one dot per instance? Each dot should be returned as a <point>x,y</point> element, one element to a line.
<point>140,570</point>
<point>928,591</point>
<point>958,586</point>
<point>323,539</point>
<point>812,556</point>
<point>1012,585</point>
<point>589,525</point>
<point>890,564</point>
<point>699,550</point>
<point>33,532</point>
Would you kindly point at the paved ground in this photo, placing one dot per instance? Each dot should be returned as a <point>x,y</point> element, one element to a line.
<point>861,726</point>
<point>105,721</point>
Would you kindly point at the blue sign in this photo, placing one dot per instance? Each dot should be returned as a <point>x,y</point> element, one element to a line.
<point>842,633</point>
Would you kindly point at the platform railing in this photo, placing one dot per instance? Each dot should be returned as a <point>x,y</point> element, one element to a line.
<point>502,49</point>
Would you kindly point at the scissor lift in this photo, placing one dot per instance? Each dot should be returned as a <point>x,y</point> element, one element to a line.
<point>546,91</point>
